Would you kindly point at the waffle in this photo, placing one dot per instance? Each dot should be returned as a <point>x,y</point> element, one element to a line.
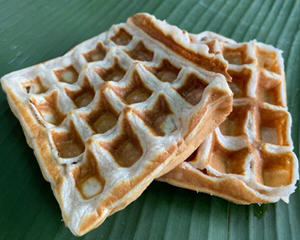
<point>116,112</point>
<point>249,158</point>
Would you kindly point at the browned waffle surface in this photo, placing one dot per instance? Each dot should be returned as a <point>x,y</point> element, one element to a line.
<point>249,158</point>
<point>116,112</point>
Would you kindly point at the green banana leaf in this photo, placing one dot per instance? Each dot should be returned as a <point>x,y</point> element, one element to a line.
<point>35,31</point>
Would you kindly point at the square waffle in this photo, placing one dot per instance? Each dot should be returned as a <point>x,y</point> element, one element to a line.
<point>116,112</point>
<point>249,158</point>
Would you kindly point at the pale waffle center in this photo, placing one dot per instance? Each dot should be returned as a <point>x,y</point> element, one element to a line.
<point>113,110</point>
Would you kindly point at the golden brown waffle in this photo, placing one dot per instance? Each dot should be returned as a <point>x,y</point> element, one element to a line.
<point>249,158</point>
<point>116,112</point>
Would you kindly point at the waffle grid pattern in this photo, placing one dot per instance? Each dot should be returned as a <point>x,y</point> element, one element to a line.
<point>254,143</point>
<point>115,108</point>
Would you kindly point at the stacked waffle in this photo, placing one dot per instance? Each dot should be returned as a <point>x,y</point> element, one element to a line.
<point>249,158</point>
<point>143,98</point>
